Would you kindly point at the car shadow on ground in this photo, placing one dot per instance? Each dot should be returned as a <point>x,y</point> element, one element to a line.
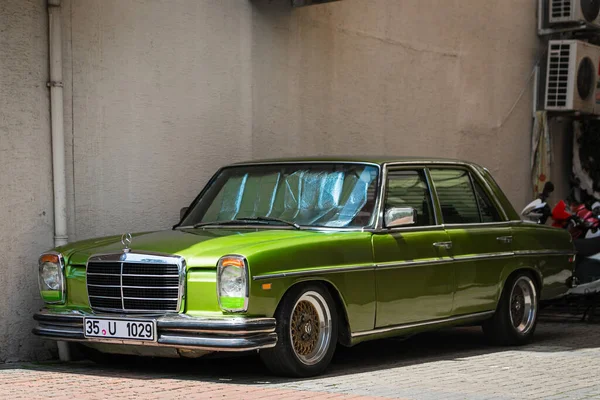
<point>457,344</point>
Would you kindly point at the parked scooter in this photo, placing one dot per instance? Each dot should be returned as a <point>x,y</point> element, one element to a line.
<point>584,226</point>
<point>538,210</point>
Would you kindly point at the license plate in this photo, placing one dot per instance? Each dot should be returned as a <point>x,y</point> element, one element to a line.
<point>133,329</point>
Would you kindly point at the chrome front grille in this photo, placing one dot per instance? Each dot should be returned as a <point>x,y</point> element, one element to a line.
<point>135,282</point>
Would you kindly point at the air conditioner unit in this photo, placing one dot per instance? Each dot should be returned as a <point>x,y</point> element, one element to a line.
<point>572,76</point>
<point>563,12</point>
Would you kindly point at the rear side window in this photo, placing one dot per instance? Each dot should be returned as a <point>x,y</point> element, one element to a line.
<point>456,196</point>
<point>489,213</point>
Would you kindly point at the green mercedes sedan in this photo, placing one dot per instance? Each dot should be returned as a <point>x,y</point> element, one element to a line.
<point>291,258</point>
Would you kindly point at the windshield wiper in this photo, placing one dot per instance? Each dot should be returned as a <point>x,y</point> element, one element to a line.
<point>271,219</point>
<point>246,220</point>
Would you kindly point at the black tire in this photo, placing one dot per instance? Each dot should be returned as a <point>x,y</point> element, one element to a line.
<point>515,319</point>
<point>296,310</point>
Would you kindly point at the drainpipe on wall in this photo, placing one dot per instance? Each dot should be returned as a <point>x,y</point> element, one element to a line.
<point>58,136</point>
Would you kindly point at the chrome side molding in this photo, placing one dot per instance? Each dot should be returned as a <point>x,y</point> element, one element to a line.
<point>395,328</point>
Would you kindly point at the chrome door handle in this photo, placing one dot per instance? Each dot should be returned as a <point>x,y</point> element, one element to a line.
<point>444,245</point>
<point>504,239</point>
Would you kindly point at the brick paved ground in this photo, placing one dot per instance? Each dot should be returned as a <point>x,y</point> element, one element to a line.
<point>563,363</point>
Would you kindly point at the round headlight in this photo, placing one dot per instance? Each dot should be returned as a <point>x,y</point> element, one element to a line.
<point>50,275</point>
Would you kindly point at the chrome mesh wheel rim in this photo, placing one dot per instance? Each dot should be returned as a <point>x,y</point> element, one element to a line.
<point>310,328</point>
<point>523,305</point>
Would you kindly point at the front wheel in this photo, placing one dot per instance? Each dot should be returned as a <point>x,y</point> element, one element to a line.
<point>515,318</point>
<point>306,333</point>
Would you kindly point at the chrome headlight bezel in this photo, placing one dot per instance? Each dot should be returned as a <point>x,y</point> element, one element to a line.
<point>233,266</point>
<point>49,294</point>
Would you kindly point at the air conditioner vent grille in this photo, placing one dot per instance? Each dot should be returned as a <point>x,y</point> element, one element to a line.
<point>560,10</point>
<point>558,75</point>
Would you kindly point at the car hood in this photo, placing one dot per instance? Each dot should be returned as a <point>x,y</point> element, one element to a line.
<point>201,248</point>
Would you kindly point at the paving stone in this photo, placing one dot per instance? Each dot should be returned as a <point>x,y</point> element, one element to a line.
<point>562,363</point>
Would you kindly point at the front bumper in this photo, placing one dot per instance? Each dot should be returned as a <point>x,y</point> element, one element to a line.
<point>178,330</point>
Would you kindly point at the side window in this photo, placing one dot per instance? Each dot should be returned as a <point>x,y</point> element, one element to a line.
<point>456,196</point>
<point>406,188</point>
<point>489,213</point>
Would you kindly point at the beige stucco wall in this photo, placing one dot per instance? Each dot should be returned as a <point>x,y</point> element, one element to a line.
<point>25,173</point>
<point>161,98</point>
<point>412,77</point>
<point>164,92</point>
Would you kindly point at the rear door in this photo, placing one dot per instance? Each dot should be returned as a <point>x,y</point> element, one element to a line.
<point>481,237</point>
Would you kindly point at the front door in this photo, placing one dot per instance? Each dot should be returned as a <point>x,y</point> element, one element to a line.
<point>481,238</point>
<point>414,274</point>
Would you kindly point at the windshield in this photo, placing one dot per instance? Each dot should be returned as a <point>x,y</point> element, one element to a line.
<point>319,195</point>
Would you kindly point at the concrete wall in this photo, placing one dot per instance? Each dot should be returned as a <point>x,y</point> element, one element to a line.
<point>411,77</point>
<point>25,173</point>
<point>160,99</point>
<point>164,92</point>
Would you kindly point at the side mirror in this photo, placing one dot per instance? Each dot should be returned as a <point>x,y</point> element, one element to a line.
<point>182,212</point>
<point>400,216</point>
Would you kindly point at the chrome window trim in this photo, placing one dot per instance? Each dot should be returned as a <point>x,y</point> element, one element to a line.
<point>420,324</point>
<point>63,273</point>
<point>140,257</point>
<point>479,179</point>
<point>469,170</point>
<point>379,228</point>
<point>434,206</point>
<point>505,224</point>
<point>377,224</point>
<point>402,229</point>
<point>472,181</point>
<point>299,162</point>
<point>380,198</point>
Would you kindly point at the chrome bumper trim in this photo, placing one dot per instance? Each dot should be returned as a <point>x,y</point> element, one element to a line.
<point>179,330</point>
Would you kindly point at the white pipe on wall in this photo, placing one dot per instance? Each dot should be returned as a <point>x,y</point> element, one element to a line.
<point>58,137</point>
<point>57,120</point>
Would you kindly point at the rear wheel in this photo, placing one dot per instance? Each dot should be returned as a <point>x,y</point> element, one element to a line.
<point>516,316</point>
<point>306,333</point>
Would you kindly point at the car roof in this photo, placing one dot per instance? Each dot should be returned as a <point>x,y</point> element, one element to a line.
<point>379,160</point>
